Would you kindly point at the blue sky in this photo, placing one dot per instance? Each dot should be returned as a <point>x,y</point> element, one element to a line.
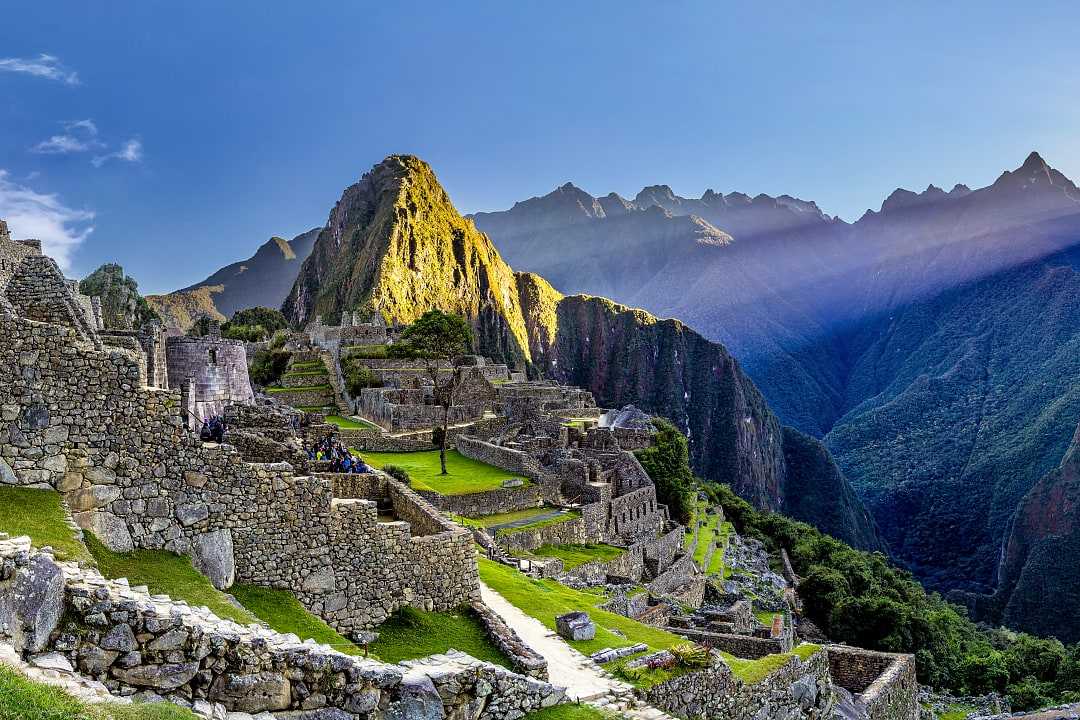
<point>213,126</point>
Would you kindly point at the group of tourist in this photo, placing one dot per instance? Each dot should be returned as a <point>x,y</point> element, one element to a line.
<point>213,430</point>
<point>341,458</point>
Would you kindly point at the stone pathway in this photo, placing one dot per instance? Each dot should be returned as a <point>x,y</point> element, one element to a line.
<point>583,679</point>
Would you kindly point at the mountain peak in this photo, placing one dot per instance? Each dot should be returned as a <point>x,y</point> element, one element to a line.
<point>1034,162</point>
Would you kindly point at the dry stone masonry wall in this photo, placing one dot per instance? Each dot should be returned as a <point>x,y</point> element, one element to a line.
<point>134,642</point>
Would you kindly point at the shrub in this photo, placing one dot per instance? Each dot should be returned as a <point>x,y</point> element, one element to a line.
<point>690,654</point>
<point>398,473</point>
<point>358,377</point>
<point>267,366</point>
<point>668,464</point>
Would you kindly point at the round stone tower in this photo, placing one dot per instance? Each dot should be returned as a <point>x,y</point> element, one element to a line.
<point>210,371</point>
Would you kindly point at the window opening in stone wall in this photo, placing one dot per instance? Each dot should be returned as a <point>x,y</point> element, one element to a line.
<point>213,356</point>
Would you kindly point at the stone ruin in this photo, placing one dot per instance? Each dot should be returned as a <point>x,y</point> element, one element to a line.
<point>211,372</point>
<point>81,416</point>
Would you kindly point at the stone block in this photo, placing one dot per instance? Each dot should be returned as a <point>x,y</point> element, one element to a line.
<point>252,693</point>
<point>190,513</point>
<point>575,626</point>
<point>109,529</point>
<point>32,608</point>
<point>168,676</point>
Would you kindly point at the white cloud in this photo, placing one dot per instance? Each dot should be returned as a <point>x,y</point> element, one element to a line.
<point>81,136</point>
<point>43,66</point>
<point>62,145</point>
<point>131,151</point>
<point>85,126</point>
<point>30,214</point>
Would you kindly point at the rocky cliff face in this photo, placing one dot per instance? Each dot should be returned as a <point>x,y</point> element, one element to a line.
<point>394,244</point>
<point>263,280</point>
<point>628,356</point>
<point>1039,586</point>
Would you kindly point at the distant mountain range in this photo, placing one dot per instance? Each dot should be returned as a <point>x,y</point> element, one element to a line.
<point>934,344</point>
<point>262,280</point>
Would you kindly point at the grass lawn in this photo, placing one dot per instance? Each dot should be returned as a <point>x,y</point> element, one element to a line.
<point>273,390</point>
<point>571,712</point>
<point>574,556</point>
<point>411,634</point>
<point>306,373</point>
<point>716,563</point>
<point>168,574</point>
<point>38,513</point>
<point>306,366</point>
<point>957,712</point>
<point>465,475</point>
<point>283,612</point>
<point>346,423</point>
<point>21,699</point>
<point>705,538</point>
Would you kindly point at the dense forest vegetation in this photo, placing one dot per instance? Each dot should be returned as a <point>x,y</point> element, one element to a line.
<point>859,598</point>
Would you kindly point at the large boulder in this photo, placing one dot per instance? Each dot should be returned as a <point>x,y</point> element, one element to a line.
<point>419,700</point>
<point>213,557</point>
<point>108,528</point>
<point>32,604</point>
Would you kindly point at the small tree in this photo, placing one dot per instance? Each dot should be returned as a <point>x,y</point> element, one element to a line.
<point>438,336</point>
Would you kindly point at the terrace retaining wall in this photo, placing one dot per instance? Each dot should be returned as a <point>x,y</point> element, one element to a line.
<point>130,641</point>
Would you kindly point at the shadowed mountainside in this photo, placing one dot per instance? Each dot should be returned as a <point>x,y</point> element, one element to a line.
<point>263,280</point>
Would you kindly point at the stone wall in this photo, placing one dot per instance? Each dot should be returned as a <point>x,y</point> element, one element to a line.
<point>219,367</point>
<point>884,682</point>
<point>77,420</point>
<point>741,646</point>
<point>488,502</point>
<point>523,658</point>
<point>799,690</point>
<point>410,409</point>
<point>130,641</point>
<point>321,396</point>
<point>569,532</point>
<point>37,290</point>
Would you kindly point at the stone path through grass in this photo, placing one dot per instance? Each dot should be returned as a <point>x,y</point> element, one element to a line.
<point>583,679</point>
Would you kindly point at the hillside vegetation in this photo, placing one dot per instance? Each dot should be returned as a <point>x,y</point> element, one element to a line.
<point>861,599</point>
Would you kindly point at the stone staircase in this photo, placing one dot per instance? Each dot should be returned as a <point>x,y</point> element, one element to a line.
<point>341,395</point>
